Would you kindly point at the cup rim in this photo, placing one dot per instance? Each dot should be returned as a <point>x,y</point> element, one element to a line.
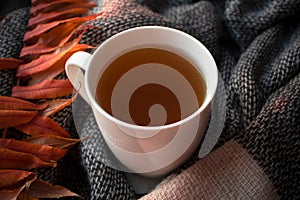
<point>210,90</point>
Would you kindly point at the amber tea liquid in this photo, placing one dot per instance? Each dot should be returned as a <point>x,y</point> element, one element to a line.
<point>162,99</point>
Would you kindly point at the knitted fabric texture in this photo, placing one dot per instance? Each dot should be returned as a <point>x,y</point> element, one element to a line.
<point>256,45</point>
<point>12,30</point>
<point>227,173</point>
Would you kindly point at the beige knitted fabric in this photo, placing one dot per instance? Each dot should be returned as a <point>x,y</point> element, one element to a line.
<point>227,173</point>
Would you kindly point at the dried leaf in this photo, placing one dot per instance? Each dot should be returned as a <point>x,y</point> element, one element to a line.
<point>41,125</point>
<point>37,65</point>
<point>53,140</point>
<point>42,189</point>
<point>43,18</point>
<point>53,61</point>
<point>36,2</point>
<point>32,52</point>
<point>47,74</point>
<point>62,41</point>
<point>10,63</point>
<point>11,103</point>
<point>16,154</point>
<point>13,182</point>
<point>45,89</point>
<point>10,159</point>
<point>44,152</point>
<point>60,6</point>
<point>57,105</point>
<point>24,196</point>
<point>47,43</point>
<point>10,178</point>
<point>9,118</point>
<point>55,69</point>
<point>11,194</point>
<point>45,30</point>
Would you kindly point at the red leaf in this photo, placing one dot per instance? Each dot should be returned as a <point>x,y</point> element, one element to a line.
<point>10,178</point>
<point>13,182</point>
<point>60,6</point>
<point>44,152</point>
<point>45,30</point>
<point>11,103</point>
<point>45,89</point>
<point>54,70</point>
<point>52,61</point>
<point>37,65</point>
<point>47,43</point>
<point>35,50</point>
<point>41,125</point>
<point>36,2</point>
<point>47,74</point>
<point>10,63</point>
<point>43,18</point>
<point>24,196</point>
<point>57,105</point>
<point>10,159</point>
<point>42,189</point>
<point>11,194</point>
<point>9,118</point>
<point>53,140</point>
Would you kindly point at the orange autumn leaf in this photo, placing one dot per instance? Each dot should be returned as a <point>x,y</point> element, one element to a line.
<point>24,196</point>
<point>53,140</point>
<point>37,65</point>
<point>15,154</point>
<point>11,103</point>
<point>44,152</point>
<point>37,2</point>
<point>47,43</point>
<point>43,18</point>
<point>11,177</point>
<point>47,61</point>
<point>24,185</point>
<point>10,159</point>
<point>32,52</point>
<point>10,63</point>
<point>41,125</point>
<point>54,70</point>
<point>45,30</point>
<point>9,118</point>
<point>57,105</point>
<point>46,89</point>
<point>60,6</point>
<point>12,194</point>
<point>47,74</point>
<point>41,189</point>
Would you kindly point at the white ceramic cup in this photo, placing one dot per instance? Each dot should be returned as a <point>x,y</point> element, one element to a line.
<point>147,150</point>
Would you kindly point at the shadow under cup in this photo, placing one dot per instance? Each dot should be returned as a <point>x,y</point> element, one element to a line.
<point>150,89</point>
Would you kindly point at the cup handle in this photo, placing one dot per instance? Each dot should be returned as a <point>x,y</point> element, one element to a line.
<point>74,67</point>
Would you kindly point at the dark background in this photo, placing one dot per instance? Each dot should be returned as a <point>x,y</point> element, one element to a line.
<point>6,6</point>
